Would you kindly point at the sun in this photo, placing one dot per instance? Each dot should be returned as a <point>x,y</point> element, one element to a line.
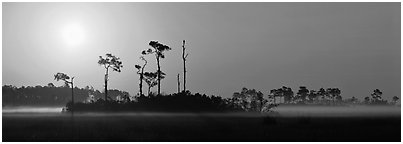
<point>73,34</point>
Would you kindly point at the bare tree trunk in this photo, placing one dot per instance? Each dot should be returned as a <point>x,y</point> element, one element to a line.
<point>179,84</point>
<point>184,65</point>
<point>141,81</point>
<point>142,76</point>
<point>141,84</point>
<point>106,84</point>
<point>159,76</point>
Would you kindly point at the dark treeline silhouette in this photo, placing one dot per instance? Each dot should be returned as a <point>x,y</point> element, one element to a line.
<point>329,96</point>
<point>177,102</point>
<point>89,99</point>
<point>51,95</point>
<point>247,100</point>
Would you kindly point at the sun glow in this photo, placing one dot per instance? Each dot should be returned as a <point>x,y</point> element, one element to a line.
<point>73,34</point>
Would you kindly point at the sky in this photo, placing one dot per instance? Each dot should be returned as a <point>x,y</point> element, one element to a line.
<point>351,46</point>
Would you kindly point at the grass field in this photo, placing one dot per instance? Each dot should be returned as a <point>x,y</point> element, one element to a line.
<point>196,127</point>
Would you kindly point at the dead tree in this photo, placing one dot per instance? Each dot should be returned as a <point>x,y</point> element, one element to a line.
<point>179,84</point>
<point>140,71</point>
<point>184,65</point>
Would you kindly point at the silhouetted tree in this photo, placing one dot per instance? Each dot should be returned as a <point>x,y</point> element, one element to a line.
<point>274,93</point>
<point>158,50</point>
<point>321,93</point>
<point>377,97</point>
<point>395,99</point>
<point>334,93</point>
<point>302,93</point>
<point>151,79</point>
<point>261,100</point>
<point>67,81</point>
<point>280,92</point>
<point>140,71</point>
<point>288,94</point>
<point>184,64</point>
<point>110,61</point>
<point>250,100</point>
<point>329,94</point>
<point>337,93</point>
<point>312,95</point>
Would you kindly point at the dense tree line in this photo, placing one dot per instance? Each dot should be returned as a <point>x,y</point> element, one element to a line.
<point>89,99</point>
<point>329,96</point>
<point>51,95</point>
<point>248,100</point>
<point>177,102</point>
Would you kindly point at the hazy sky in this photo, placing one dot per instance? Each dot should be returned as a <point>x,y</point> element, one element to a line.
<point>352,46</point>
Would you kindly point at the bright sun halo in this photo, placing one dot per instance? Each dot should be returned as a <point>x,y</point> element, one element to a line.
<point>73,34</point>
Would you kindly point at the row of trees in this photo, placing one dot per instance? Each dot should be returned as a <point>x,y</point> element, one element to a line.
<point>177,102</point>
<point>322,96</point>
<point>305,95</point>
<point>52,95</point>
<point>245,100</point>
<point>249,100</point>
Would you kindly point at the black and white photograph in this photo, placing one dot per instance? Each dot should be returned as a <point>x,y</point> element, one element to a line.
<point>201,71</point>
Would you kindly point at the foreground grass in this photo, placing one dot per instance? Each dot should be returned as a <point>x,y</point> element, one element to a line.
<point>196,127</point>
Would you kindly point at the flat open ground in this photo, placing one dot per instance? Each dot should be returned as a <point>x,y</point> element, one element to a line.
<point>196,127</point>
